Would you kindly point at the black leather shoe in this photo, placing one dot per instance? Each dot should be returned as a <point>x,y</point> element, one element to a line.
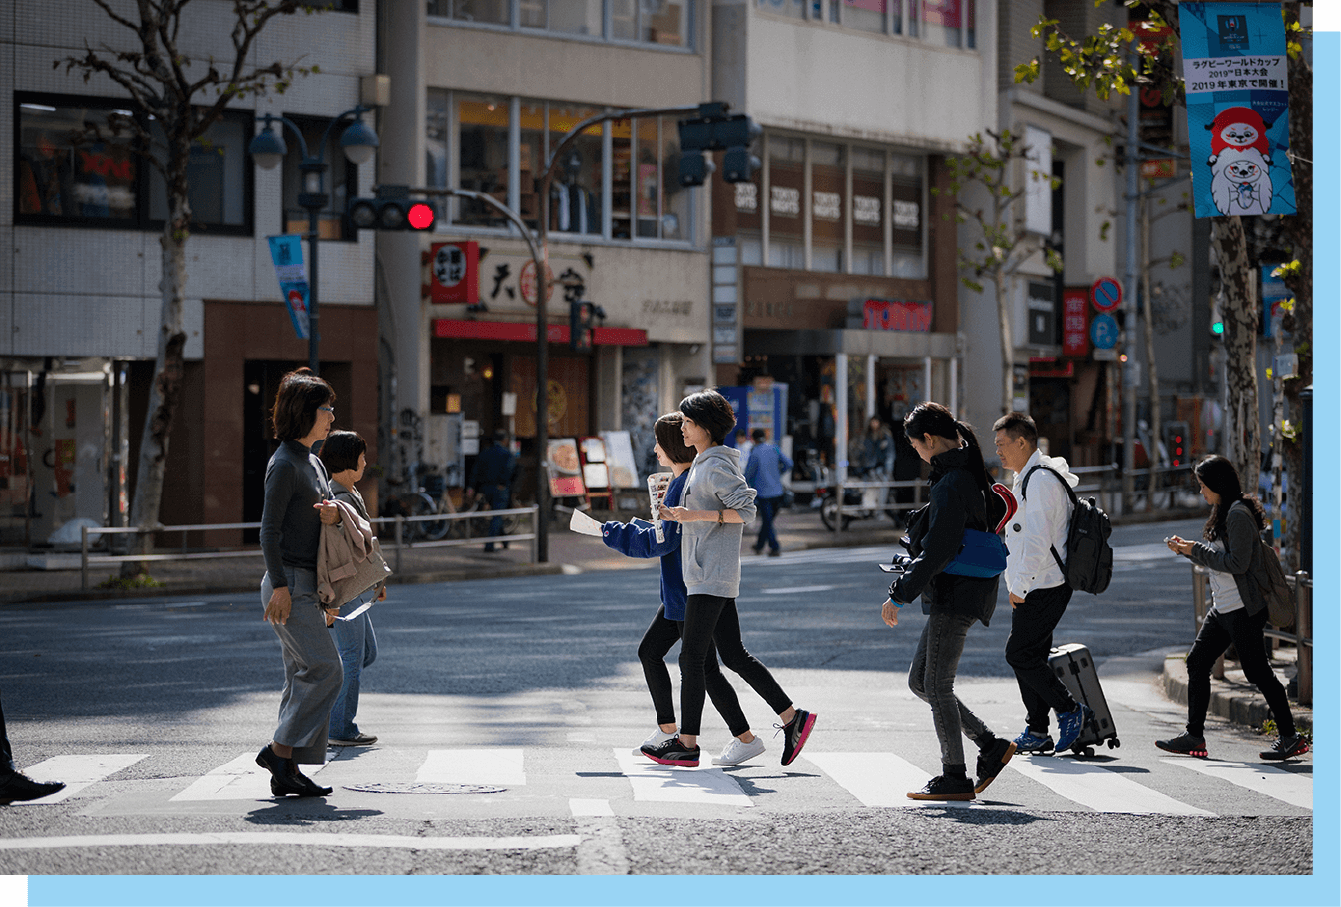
<point>285,778</point>
<point>18,786</point>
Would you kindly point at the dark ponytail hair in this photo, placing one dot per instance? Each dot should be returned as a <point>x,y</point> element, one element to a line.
<point>1220,476</point>
<point>934,419</point>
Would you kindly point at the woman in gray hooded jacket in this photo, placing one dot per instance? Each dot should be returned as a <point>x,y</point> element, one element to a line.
<point>717,504</point>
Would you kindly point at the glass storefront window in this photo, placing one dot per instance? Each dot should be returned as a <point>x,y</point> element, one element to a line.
<point>866,15</point>
<point>482,165</point>
<point>534,153</point>
<point>948,22</point>
<point>662,22</point>
<point>576,17</point>
<point>665,22</point>
<point>575,194</point>
<point>494,12</point>
<point>796,9</point>
<point>868,193</point>
<point>786,167</point>
<point>828,205</point>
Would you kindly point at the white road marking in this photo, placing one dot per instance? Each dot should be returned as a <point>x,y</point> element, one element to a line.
<point>312,839</point>
<point>240,779</point>
<point>878,779</point>
<point>672,784</point>
<point>790,590</point>
<point>581,807</point>
<point>1099,789</point>
<point>499,765</point>
<point>78,772</point>
<point>1297,790</point>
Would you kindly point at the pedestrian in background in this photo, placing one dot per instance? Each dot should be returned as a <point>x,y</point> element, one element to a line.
<point>717,505</point>
<point>878,449</point>
<point>640,540</point>
<point>1039,592</point>
<point>297,493</point>
<point>491,477</point>
<point>764,472</point>
<point>1233,552</point>
<point>345,455</point>
<point>960,492</point>
<point>14,784</point>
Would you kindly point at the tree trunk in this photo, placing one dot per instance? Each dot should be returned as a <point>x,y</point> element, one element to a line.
<point>1242,445</point>
<point>1007,343</point>
<point>165,393</point>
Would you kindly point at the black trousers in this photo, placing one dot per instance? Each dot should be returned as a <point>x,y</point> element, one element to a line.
<point>1217,632</point>
<point>6,754</point>
<point>1031,627</point>
<point>709,619</point>
<point>662,634</point>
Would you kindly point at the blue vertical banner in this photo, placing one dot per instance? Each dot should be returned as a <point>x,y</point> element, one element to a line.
<point>1238,118</point>
<point>287,254</point>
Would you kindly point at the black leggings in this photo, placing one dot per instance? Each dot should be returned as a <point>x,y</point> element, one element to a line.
<point>1215,636</point>
<point>710,619</point>
<point>661,636</point>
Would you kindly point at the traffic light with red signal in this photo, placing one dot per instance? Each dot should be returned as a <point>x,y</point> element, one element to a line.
<point>392,209</point>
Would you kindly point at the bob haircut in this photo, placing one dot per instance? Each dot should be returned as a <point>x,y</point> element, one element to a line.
<point>710,411</point>
<point>667,430</point>
<point>342,449</point>
<point>301,394</point>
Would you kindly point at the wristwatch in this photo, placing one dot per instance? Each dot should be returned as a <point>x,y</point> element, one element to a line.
<point>720,517</point>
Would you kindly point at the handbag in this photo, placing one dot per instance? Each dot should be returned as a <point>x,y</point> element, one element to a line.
<point>1272,584</point>
<point>981,554</point>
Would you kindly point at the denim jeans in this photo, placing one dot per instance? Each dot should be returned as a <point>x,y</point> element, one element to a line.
<point>768,510</point>
<point>358,649</point>
<point>932,679</point>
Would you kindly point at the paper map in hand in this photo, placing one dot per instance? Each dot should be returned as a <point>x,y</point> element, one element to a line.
<point>584,524</point>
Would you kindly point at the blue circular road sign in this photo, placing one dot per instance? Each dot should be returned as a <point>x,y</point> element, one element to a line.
<point>1104,331</point>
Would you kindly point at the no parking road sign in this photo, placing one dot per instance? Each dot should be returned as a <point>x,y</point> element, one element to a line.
<point>1106,294</point>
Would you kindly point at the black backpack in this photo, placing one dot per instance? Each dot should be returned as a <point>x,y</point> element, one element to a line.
<point>1089,557</point>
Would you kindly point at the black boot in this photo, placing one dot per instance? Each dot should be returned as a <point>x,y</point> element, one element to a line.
<point>285,778</point>
<point>16,786</point>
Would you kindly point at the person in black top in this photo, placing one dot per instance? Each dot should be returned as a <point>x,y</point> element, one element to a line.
<point>14,784</point>
<point>492,477</point>
<point>297,502</point>
<point>959,496</point>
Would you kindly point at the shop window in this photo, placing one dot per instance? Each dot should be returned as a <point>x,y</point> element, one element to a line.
<point>786,204</point>
<point>492,12</point>
<point>751,246</point>
<point>796,9</point>
<point>534,153</point>
<point>663,22</point>
<point>575,17</point>
<point>647,199</point>
<point>948,22</point>
<point>828,205</point>
<point>575,193</point>
<point>868,204</point>
<point>341,180</point>
<point>78,165</point>
<point>483,157</point>
<point>864,15</point>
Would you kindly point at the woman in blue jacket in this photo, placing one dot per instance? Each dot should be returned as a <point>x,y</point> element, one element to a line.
<point>640,540</point>
<point>960,490</point>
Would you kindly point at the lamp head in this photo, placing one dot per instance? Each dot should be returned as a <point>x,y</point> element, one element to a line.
<point>359,142</point>
<point>267,148</point>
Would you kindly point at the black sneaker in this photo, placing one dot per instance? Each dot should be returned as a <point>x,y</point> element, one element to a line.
<point>943,787</point>
<point>1184,745</point>
<point>672,752</point>
<point>991,761</point>
<point>1286,748</point>
<point>795,733</point>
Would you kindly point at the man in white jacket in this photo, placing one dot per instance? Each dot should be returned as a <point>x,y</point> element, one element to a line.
<point>1039,594</point>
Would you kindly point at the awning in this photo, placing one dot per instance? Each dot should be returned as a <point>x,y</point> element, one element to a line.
<point>884,344</point>
<point>524,332</point>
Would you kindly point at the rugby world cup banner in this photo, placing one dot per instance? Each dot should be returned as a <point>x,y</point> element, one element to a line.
<point>1238,122</point>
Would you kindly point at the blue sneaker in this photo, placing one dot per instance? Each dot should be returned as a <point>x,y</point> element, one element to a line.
<point>1029,742</point>
<point>1070,724</point>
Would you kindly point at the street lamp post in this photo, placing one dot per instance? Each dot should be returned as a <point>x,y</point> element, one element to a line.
<point>359,142</point>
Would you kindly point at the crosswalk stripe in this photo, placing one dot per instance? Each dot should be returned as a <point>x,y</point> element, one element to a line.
<point>78,772</point>
<point>1297,790</point>
<point>308,839</point>
<point>240,779</point>
<point>1099,789</point>
<point>501,765</point>
<point>668,784</point>
<point>584,807</point>
<point>878,779</point>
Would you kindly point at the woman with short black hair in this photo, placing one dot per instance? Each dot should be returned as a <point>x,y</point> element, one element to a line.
<point>297,502</point>
<point>1233,552</point>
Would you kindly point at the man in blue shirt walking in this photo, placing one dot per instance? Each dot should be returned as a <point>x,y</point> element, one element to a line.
<point>764,472</point>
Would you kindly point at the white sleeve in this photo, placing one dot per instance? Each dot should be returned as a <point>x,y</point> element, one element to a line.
<point>1045,519</point>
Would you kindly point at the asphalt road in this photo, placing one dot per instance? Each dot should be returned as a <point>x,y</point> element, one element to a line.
<point>531,687</point>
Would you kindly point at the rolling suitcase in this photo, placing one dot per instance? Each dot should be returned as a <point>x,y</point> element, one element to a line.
<point>1075,667</point>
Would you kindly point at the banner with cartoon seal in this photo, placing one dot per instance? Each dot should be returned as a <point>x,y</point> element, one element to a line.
<point>1234,66</point>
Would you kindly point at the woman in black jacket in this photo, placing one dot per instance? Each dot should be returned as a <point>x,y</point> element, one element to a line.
<point>959,497</point>
<point>1238,611</point>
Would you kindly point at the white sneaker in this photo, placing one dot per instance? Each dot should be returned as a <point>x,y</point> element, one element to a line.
<point>658,737</point>
<point>737,752</point>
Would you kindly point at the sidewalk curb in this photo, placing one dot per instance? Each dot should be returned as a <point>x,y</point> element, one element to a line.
<point>1233,698</point>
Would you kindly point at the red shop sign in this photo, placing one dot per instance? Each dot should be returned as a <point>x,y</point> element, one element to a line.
<point>1075,322</point>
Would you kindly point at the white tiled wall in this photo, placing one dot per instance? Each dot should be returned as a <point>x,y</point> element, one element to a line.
<point>88,292</point>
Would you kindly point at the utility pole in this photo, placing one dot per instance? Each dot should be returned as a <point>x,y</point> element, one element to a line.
<point>1132,161</point>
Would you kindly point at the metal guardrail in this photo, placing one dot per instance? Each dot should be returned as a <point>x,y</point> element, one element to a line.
<point>397,542</point>
<point>1302,637</point>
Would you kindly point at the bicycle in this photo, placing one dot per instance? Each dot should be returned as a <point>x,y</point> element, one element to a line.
<point>431,497</point>
<point>479,526</point>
